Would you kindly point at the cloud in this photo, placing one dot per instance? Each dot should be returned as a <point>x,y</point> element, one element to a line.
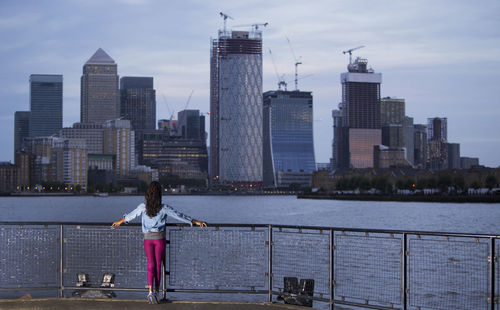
<point>440,56</point>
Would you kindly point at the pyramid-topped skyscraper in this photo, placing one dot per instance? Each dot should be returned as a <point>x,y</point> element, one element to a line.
<point>99,89</point>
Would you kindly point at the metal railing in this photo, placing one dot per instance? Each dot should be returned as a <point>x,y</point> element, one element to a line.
<point>374,269</point>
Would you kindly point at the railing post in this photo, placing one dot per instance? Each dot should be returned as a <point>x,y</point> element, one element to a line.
<point>61,260</point>
<point>404,270</point>
<point>332,304</point>
<point>270,263</point>
<point>492,273</point>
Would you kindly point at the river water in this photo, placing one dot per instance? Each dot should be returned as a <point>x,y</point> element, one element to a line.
<point>284,210</point>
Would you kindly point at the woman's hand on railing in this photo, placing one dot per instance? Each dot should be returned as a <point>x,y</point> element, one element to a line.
<point>117,223</point>
<point>199,223</point>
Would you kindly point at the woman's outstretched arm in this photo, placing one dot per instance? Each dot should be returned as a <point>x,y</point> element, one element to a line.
<point>199,223</point>
<point>118,223</point>
<point>128,217</point>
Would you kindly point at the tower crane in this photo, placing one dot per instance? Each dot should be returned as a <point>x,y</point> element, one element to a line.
<point>168,107</point>
<point>189,99</point>
<point>254,26</point>
<point>225,17</point>
<point>281,82</point>
<point>350,52</point>
<point>297,63</point>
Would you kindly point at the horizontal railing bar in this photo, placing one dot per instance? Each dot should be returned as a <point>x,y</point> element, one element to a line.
<point>88,288</point>
<point>307,297</point>
<point>51,288</point>
<point>364,230</point>
<point>354,304</point>
<point>212,291</point>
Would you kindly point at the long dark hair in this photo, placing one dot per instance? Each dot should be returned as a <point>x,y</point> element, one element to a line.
<point>153,199</point>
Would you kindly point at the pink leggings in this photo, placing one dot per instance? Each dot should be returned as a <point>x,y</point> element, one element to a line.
<point>155,252</point>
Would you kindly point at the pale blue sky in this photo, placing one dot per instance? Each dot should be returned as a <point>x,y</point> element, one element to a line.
<point>441,56</point>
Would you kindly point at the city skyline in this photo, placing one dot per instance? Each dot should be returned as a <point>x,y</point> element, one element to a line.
<point>440,57</point>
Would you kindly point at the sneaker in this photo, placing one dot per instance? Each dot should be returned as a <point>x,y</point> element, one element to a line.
<point>152,298</point>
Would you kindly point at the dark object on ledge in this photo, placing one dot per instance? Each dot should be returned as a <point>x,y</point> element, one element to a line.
<point>295,294</point>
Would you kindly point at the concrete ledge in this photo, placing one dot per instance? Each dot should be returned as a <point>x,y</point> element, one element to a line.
<point>83,303</point>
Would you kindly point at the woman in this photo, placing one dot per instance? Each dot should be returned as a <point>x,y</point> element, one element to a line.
<point>154,217</point>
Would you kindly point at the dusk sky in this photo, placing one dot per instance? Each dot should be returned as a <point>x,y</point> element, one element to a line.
<point>442,57</point>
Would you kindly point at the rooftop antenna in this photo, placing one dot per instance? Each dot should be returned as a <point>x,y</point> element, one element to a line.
<point>350,52</point>
<point>297,63</point>
<point>225,17</point>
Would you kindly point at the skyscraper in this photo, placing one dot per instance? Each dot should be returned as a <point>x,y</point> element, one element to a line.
<point>454,155</point>
<point>437,129</point>
<point>337,129</point>
<point>420,145</point>
<point>392,116</point>
<point>21,129</point>
<point>99,89</point>
<point>437,147</point>
<point>360,114</point>
<point>191,125</point>
<point>138,102</point>
<point>409,142</point>
<point>236,108</point>
<point>46,104</point>
<point>288,138</point>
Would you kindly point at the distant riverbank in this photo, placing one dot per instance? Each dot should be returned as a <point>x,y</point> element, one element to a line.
<point>409,198</point>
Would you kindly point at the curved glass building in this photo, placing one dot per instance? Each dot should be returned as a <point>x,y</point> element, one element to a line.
<point>236,109</point>
<point>288,138</point>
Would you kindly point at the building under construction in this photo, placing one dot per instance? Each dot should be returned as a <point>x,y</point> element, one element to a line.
<point>236,108</point>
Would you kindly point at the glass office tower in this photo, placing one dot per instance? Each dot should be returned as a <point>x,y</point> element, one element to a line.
<point>288,136</point>
<point>138,102</point>
<point>46,104</point>
<point>99,89</point>
<point>21,129</point>
<point>236,109</point>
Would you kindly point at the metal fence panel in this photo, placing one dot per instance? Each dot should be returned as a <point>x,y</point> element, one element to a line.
<point>213,258</point>
<point>367,268</point>
<point>96,250</point>
<point>29,256</point>
<point>448,273</point>
<point>303,254</point>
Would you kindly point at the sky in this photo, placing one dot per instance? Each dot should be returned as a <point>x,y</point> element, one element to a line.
<point>442,56</point>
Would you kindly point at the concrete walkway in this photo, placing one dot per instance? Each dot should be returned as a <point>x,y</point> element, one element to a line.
<point>83,303</point>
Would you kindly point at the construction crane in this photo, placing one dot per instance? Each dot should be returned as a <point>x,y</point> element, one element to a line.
<point>189,99</point>
<point>297,63</point>
<point>350,52</point>
<point>254,26</point>
<point>168,107</point>
<point>225,17</point>
<point>281,82</point>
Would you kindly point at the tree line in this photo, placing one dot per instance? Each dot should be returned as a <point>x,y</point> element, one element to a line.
<point>384,185</point>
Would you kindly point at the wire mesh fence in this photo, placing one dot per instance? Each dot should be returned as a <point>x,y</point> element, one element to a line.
<point>95,250</point>
<point>29,256</point>
<point>302,254</point>
<point>346,267</point>
<point>231,258</point>
<point>376,260</point>
<point>448,272</point>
